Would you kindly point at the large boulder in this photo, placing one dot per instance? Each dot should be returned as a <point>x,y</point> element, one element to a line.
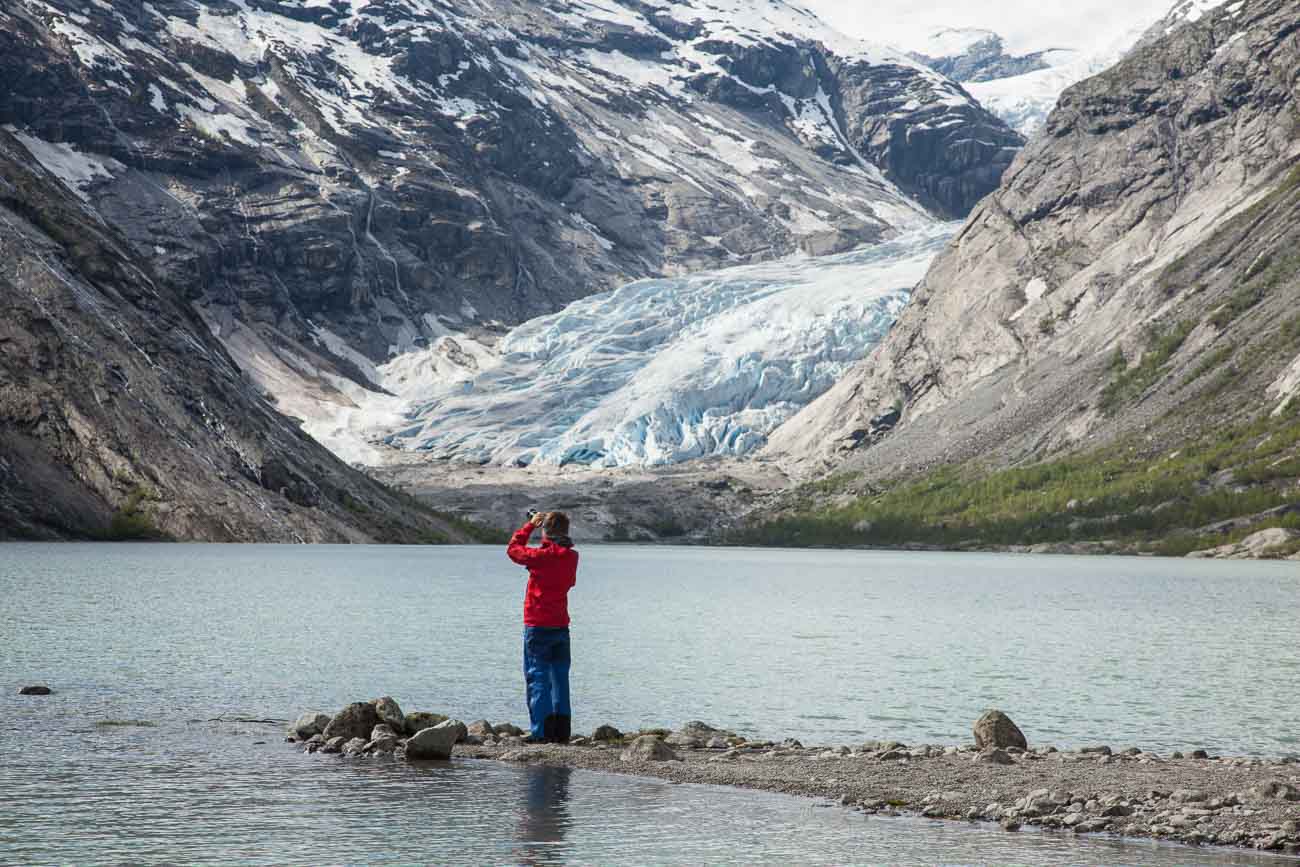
<point>649,748</point>
<point>390,713</point>
<point>422,719</point>
<point>1253,547</point>
<point>310,723</point>
<point>606,733</point>
<point>461,730</point>
<point>434,743</point>
<point>996,730</point>
<point>356,720</point>
<point>480,729</point>
<point>354,747</point>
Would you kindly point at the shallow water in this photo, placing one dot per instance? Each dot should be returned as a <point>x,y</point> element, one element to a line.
<point>827,646</point>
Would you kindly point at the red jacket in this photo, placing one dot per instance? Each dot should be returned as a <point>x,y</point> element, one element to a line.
<point>552,570</point>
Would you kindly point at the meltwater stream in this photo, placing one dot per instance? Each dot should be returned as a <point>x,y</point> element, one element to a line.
<point>832,647</point>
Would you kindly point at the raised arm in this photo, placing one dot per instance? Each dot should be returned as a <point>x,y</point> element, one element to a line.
<point>518,549</point>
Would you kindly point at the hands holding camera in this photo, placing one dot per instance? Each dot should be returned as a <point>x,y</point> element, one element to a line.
<point>536,518</point>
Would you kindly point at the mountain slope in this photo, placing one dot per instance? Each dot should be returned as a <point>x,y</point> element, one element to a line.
<point>122,417</point>
<point>1134,275</point>
<point>341,184</point>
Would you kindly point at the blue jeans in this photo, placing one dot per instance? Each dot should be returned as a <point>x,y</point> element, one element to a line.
<point>546,675</point>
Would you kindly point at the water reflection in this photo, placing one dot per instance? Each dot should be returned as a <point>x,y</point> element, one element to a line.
<point>544,819</point>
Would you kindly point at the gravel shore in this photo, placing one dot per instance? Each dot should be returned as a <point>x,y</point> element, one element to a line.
<point>1202,801</point>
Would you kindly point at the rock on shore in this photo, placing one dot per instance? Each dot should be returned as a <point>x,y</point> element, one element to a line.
<point>1198,800</point>
<point>354,721</point>
<point>1253,547</point>
<point>996,730</point>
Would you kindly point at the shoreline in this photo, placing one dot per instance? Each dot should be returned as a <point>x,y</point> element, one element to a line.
<point>1235,803</point>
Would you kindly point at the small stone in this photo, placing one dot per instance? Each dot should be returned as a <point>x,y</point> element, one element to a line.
<point>334,745</point>
<point>892,755</point>
<point>38,689</point>
<point>579,741</point>
<point>995,729</point>
<point>354,746</point>
<point>606,733</point>
<point>480,728</point>
<point>1175,755</point>
<point>685,740</point>
<point>718,743</point>
<point>699,729</point>
<point>649,748</point>
<point>1010,824</point>
<point>309,724</point>
<point>1200,754</point>
<point>1101,750</point>
<point>1188,796</point>
<point>386,744</point>
<point>502,729</point>
<point>1275,790</point>
<point>388,711</point>
<point>1117,810</point>
<point>383,730</point>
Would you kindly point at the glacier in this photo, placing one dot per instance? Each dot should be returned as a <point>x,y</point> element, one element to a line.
<point>656,372</point>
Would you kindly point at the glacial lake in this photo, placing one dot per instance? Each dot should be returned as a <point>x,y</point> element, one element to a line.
<point>829,647</point>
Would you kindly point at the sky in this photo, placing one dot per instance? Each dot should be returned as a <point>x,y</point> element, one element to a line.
<point>1025,24</point>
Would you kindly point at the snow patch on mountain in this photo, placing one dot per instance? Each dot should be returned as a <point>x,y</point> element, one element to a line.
<point>78,171</point>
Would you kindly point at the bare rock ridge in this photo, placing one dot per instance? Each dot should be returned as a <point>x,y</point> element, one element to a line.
<point>1158,209</point>
<point>122,416</point>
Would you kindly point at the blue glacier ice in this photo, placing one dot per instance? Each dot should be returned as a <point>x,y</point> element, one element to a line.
<point>665,370</point>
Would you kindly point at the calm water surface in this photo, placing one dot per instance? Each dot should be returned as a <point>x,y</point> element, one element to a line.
<point>831,647</point>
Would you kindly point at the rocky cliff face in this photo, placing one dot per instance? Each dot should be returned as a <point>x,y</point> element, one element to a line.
<point>122,417</point>
<point>1136,271</point>
<point>339,183</point>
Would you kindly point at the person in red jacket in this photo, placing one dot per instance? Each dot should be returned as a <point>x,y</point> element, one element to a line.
<point>552,571</point>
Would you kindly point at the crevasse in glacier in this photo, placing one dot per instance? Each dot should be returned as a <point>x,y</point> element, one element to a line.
<point>665,370</point>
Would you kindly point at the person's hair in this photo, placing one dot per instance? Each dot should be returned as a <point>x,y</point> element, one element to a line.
<point>556,524</point>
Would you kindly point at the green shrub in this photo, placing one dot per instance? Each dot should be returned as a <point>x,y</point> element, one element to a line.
<point>1129,382</point>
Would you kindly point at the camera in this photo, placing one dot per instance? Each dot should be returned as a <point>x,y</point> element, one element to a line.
<point>532,513</point>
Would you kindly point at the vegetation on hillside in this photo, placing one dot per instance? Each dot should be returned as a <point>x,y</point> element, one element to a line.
<point>1158,503</point>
